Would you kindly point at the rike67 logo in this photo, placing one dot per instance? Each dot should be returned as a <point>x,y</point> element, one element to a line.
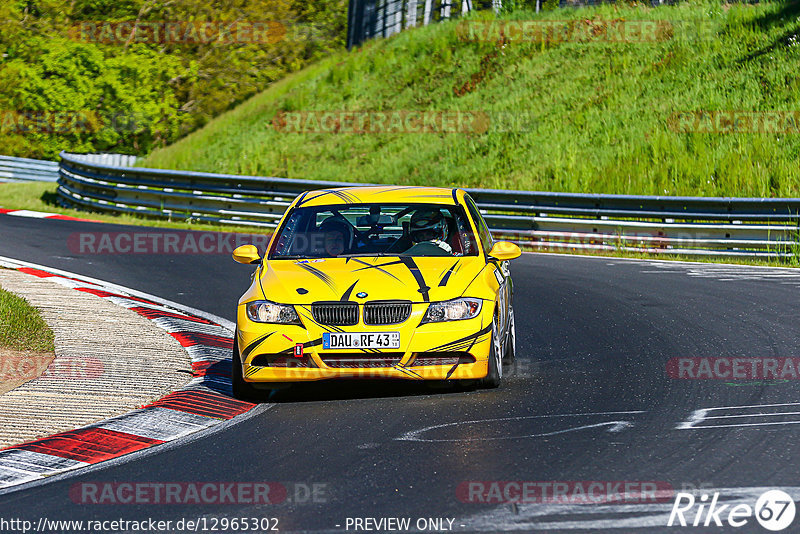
<point>774,510</point>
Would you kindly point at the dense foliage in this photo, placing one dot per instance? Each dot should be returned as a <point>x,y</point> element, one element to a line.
<point>65,86</point>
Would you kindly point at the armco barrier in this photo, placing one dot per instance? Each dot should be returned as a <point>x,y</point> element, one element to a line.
<point>535,220</point>
<point>27,170</point>
<point>37,170</point>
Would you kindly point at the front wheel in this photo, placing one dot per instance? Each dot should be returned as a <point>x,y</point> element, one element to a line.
<point>241,389</point>
<point>495,374</point>
<point>511,340</point>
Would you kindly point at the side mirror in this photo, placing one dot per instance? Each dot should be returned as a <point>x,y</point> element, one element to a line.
<point>505,250</point>
<point>247,254</point>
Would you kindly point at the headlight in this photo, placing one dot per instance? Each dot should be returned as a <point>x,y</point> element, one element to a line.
<point>263,311</point>
<point>453,310</point>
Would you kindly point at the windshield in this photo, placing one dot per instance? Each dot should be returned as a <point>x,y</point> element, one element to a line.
<point>375,230</point>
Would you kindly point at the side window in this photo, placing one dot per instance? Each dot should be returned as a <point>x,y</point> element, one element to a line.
<point>483,231</point>
<point>285,241</point>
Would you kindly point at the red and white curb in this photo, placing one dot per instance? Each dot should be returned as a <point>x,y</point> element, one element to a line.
<point>204,402</point>
<point>42,215</point>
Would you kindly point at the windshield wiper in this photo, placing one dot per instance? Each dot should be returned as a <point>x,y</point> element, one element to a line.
<point>366,254</point>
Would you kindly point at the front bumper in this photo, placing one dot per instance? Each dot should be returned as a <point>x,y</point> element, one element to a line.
<point>463,345</point>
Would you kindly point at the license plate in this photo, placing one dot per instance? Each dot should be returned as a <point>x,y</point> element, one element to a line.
<point>371,340</point>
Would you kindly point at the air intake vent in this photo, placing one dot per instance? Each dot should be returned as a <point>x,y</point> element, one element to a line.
<point>335,313</point>
<point>390,312</point>
<point>361,360</point>
<point>442,358</point>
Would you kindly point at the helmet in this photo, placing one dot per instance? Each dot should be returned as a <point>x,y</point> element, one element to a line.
<point>333,243</point>
<point>428,224</point>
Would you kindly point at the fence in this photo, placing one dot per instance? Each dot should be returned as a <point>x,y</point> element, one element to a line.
<point>114,160</point>
<point>534,220</point>
<point>27,170</point>
<point>367,19</point>
<point>38,170</point>
<point>381,18</point>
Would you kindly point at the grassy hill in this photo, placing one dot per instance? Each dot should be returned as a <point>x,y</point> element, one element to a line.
<point>592,115</point>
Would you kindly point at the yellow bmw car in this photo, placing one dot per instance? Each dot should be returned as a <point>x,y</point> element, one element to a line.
<point>376,282</point>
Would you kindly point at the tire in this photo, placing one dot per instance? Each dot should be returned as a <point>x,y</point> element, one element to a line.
<point>241,389</point>
<point>495,374</point>
<point>510,355</point>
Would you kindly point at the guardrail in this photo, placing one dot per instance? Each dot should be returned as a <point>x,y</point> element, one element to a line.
<point>535,220</point>
<point>114,160</point>
<point>27,170</point>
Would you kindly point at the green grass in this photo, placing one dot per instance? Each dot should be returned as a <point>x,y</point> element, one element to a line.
<point>21,326</point>
<point>599,113</point>
<point>41,196</point>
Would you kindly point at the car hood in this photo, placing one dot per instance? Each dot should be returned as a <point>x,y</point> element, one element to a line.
<point>418,279</point>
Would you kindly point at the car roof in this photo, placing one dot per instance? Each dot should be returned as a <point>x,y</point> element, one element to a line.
<point>382,194</point>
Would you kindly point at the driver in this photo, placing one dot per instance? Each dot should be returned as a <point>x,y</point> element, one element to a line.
<point>428,226</point>
<point>336,235</point>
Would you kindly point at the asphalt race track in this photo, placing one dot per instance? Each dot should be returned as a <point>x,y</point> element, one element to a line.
<point>589,399</point>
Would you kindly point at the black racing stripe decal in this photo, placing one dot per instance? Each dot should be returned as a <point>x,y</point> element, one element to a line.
<point>463,346</point>
<point>313,197</point>
<point>375,266</point>
<point>251,371</point>
<point>319,274</point>
<point>310,317</point>
<point>455,197</point>
<point>475,339</point>
<point>300,200</point>
<point>346,294</point>
<point>400,188</point>
<point>453,369</point>
<point>378,267</point>
<point>414,373</point>
<point>433,196</point>
<point>407,371</point>
<point>462,341</point>
<point>412,266</point>
<point>446,276</point>
<point>249,348</point>
<point>347,196</point>
<point>341,195</point>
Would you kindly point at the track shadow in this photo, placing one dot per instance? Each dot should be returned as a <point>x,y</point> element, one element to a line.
<point>50,198</point>
<point>360,388</point>
<point>344,389</point>
<point>788,13</point>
